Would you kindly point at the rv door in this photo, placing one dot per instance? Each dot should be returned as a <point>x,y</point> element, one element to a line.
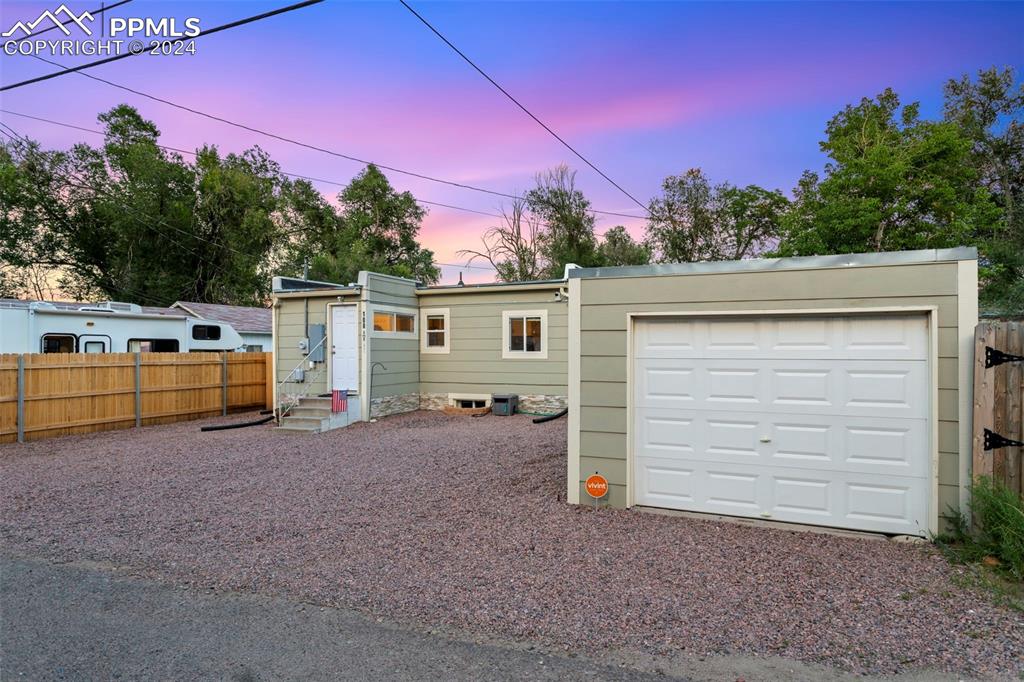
<point>93,343</point>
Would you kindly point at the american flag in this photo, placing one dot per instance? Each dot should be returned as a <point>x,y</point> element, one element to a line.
<point>339,401</point>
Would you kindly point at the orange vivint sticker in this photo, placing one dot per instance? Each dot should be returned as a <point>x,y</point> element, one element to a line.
<point>597,486</point>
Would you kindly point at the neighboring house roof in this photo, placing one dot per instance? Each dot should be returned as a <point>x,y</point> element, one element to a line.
<point>242,318</point>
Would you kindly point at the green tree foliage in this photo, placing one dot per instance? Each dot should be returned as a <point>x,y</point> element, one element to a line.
<point>568,221</point>
<point>893,182</point>
<point>376,230</point>
<point>990,113</point>
<point>619,248</point>
<point>694,220</point>
<point>132,221</point>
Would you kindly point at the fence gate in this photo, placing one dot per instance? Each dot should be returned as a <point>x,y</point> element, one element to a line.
<point>998,403</point>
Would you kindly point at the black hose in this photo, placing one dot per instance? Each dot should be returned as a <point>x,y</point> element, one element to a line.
<point>266,412</point>
<point>551,417</point>
<point>236,425</point>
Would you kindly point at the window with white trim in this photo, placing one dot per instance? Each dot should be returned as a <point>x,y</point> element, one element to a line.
<point>435,336</point>
<point>524,334</point>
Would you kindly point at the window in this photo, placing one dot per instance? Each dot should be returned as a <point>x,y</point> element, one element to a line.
<point>58,343</point>
<point>393,322</point>
<point>93,347</point>
<point>436,330</point>
<point>254,348</point>
<point>206,332</point>
<point>153,345</point>
<point>525,334</point>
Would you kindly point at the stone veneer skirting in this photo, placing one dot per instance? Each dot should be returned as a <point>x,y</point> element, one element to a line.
<point>394,404</point>
<point>541,404</point>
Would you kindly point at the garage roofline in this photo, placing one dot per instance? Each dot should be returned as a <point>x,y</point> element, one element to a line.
<point>790,263</point>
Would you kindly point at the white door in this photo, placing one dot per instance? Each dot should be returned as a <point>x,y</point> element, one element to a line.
<point>344,348</point>
<point>817,420</point>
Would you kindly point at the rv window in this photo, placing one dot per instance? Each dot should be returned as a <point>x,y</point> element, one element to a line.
<point>153,346</point>
<point>58,343</point>
<point>93,347</point>
<point>206,332</point>
<point>254,348</point>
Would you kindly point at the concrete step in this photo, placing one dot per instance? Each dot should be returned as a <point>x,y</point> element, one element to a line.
<point>311,412</point>
<point>310,423</point>
<point>297,429</point>
<point>313,401</point>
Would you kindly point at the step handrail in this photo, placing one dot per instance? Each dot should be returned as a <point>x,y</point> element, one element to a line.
<point>278,412</point>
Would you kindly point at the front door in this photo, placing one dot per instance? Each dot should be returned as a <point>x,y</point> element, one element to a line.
<point>344,348</point>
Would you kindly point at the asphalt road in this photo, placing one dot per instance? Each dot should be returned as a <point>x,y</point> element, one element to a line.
<point>75,622</point>
<point>81,621</point>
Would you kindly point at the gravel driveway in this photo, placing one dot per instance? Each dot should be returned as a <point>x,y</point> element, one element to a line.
<point>455,522</point>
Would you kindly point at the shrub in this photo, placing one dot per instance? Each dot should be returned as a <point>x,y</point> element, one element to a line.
<point>999,525</point>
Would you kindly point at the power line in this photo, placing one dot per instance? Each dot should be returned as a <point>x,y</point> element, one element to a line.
<point>159,221</point>
<point>310,178</point>
<point>183,151</point>
<point>520,105</point>
<point>306,145</point>
<point>69,21</point>
<point>131,53</point>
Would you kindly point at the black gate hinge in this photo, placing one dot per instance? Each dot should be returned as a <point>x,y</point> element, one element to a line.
<point>994,440</point>
<point>995,357</point>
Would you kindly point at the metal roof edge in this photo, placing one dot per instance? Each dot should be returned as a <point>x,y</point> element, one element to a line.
<point>787,263</point>
<point>492,286</point>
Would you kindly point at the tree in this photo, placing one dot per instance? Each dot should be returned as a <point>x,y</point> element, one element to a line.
<point>893,182</point>
<point>990,113</point>
<point>619,248</point>
<point>694,220</point>
<point>512,248</point>
<point>375,230</point>
<point>131,221</point>
<point>568,221</point>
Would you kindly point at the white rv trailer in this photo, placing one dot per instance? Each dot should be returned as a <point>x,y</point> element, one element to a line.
<point>110,327</point>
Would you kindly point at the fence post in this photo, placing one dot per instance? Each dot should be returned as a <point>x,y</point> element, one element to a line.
<point>21,397</point>
<point>138,389</point>
<point>224,382</point>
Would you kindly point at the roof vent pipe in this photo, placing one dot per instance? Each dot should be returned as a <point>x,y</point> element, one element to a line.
<point>461,283</point>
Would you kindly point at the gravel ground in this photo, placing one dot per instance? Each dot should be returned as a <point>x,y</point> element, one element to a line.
<point>455,522</point>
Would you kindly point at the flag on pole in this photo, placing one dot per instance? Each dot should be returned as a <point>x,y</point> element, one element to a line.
<point>339,401</point>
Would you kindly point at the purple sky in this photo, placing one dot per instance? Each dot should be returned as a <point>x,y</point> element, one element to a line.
<point>644,90</point>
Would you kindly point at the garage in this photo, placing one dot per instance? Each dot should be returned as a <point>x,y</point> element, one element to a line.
<point>833,391</point>
<point>816,419</point>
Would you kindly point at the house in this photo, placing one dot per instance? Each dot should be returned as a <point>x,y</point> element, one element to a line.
<point>831,390</point>
<point>253,324</point>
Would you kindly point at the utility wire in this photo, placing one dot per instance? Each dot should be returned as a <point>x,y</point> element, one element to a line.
<point>25,140</point>
<point>520,105</point>
<point>129,210</point>
<point>310,178</point>
<point>125,55</point>
<point>306,145</point>
<point>65,23</point>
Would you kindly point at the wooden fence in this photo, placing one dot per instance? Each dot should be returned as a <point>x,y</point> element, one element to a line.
<point>47,395</point>
<point>998,403</point>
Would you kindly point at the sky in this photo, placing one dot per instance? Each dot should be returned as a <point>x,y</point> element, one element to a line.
<point>644,90</point>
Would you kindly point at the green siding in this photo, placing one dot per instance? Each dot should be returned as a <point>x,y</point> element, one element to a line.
<point>399,372</point>
<point>474,363</point>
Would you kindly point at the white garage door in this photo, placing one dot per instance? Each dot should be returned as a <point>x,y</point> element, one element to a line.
<point>819,420</point>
